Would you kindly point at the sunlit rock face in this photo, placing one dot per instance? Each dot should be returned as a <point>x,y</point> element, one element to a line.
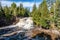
<point>25,23</point>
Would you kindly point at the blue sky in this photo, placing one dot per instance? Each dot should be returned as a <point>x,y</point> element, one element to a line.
<point>26,3</point>
<point>23,0</point>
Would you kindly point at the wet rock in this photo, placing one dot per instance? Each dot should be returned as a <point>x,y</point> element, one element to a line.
<point>2,39</point>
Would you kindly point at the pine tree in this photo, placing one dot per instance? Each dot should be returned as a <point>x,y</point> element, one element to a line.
<point>44,9</point>
<point>52,16</point>
<point>34,14</point>
<point>13,8</point>
<point>34,7</point>
<point>58,13</point>
<point>33,10</point>
<point>0,6</point>
<point>27,12</point>
<point>44,20</point>
<point>21,10</point>
<point>0,9</point>
<point>6,10</point>
<point>41,15</point>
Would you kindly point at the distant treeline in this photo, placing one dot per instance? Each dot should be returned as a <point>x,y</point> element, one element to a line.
<point>44,16</point>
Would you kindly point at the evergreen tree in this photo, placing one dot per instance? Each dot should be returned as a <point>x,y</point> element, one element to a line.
<point>13,8</point>
<point>58,13</point>
<point>33,10</point>
<point>15,12</point>
<point>41,15</point>
<point>0,6</point>
<point>52,16</point>
<point>44,20</point>
<point>6,10</point>
<point>52,9</point>
<point>1,11</point>
<point>21,10</point>
<point>33,14</point>
<point>34,7</point>
<point>27,12</point>
<point>44,9</point>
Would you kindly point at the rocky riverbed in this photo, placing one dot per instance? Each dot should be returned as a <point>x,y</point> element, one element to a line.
<point>24,30</point>
<point>22,34</point>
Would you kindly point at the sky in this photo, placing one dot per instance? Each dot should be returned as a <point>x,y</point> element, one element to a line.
<point>26,3</point>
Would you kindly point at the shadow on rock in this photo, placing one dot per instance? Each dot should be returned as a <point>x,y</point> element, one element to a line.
<point>42,36</point>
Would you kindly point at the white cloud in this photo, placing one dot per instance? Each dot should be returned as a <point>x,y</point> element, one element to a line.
<point>4,3</point>
<point>25,4</point>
